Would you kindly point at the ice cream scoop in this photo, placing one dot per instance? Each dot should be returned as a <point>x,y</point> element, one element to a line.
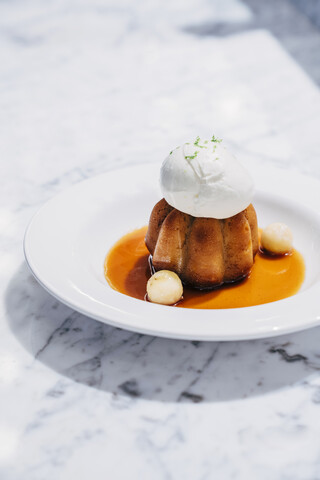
<point>204,179</point>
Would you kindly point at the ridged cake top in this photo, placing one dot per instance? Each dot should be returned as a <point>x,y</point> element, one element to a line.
<point>204,179</point>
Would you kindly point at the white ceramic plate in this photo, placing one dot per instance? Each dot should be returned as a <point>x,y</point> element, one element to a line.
<point>67,241</point>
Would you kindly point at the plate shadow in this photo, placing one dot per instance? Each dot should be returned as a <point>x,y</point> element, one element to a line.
<point>124,363</point>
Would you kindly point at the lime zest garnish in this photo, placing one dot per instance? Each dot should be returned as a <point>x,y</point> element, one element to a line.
<point>215,139</point>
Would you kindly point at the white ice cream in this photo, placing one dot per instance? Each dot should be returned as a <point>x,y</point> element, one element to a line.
<point>203,179</point>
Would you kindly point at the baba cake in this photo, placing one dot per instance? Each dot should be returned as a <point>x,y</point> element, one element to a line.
<point>204,252</point>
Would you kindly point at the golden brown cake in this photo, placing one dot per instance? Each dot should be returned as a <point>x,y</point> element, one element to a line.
<point>204,252</point>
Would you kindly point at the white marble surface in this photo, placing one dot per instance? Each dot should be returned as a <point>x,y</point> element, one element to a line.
<point>86,87</point>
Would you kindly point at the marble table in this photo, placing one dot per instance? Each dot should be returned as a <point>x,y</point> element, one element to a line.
<point>86,87</point>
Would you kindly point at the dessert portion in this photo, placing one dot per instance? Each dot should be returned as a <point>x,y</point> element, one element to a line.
<point>205,228</point>
<point>204,234</point>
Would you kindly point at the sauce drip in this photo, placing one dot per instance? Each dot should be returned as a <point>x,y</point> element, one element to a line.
<point>272,278</point>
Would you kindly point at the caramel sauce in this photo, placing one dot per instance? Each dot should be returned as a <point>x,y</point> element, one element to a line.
<point>272,278</point>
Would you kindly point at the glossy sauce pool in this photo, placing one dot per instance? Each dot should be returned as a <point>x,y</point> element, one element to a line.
<point>271,278</point>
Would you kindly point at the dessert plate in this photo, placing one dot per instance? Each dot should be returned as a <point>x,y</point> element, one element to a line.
<point>67,240</point>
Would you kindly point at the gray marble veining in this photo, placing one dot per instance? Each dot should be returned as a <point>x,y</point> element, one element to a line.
<point>86,87</point>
